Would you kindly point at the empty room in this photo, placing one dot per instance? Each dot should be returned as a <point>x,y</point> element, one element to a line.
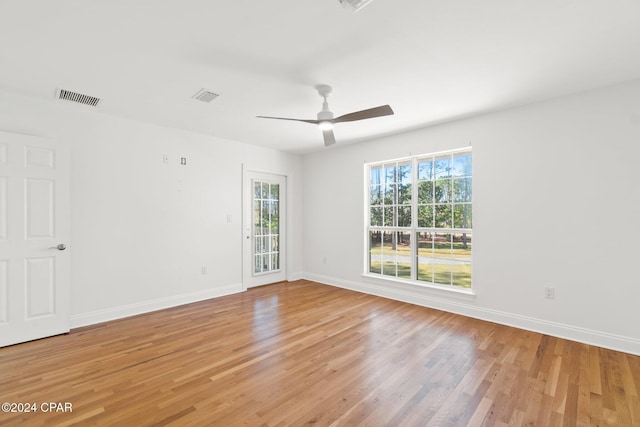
<point>319,212</point>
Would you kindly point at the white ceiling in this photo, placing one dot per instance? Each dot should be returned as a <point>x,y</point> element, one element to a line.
<point>432,61</point>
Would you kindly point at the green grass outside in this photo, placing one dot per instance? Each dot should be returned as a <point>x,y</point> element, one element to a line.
<point>445,274</point>
<point>441,250</point>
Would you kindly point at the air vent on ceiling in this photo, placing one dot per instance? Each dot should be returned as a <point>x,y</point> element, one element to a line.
<point>205,95</point>
<point>78,97</point>
<point>354,5</point>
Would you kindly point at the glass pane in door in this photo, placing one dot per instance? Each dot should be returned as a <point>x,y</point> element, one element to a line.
<point>266,227</point>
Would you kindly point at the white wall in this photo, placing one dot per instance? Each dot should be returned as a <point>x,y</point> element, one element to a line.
<point>141,229</point>
<point>555,204</point>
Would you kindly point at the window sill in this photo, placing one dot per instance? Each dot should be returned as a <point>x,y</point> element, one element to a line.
<point>449,291</point>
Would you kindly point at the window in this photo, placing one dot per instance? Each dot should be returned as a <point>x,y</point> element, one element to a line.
<point>419,219</point>
<point>266,227</point>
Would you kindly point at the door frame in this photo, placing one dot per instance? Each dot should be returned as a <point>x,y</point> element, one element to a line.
<point>248,278</point>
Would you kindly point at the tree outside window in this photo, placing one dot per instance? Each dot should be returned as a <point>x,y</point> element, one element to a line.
<point>419,219</point>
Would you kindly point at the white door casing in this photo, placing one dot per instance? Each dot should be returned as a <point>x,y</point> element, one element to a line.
<point>34,221</point>
<point>264,228</point>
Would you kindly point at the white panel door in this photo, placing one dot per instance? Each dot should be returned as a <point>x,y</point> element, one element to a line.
<point>265,229</point>
<point>34,231</point>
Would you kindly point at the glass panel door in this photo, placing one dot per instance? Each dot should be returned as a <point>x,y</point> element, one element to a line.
<point>266,227</point>
<point>264,213</point>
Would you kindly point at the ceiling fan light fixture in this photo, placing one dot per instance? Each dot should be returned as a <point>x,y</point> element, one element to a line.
<point>354,5</point>
<point>325,125</point>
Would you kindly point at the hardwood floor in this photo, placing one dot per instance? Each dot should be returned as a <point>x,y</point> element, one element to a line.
<point>301,353</point>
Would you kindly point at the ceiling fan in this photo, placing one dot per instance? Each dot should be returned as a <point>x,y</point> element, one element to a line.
<point>326,121</point>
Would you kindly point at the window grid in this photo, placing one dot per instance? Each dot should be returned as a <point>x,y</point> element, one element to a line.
<point>421,232</point>
<point>266,227</point>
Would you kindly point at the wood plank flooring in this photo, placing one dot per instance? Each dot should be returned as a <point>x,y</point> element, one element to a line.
<point>301,353</point>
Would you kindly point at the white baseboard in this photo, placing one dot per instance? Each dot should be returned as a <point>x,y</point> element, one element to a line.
<point>573,333</point>
<point>295,276</point>
<point>115,313</point>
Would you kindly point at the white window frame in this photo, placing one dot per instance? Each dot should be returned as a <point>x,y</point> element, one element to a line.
<point>413,230</point>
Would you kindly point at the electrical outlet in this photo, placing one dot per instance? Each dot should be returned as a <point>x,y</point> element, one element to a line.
<point>549,292</point>
<point>203,270</point>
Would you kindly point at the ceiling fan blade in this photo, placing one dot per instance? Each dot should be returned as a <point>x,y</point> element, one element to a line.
<point>383,110</point>
<point>313,122</point>
<point>329,138</point>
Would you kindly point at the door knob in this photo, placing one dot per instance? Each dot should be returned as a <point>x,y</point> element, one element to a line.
<point>61,247</point>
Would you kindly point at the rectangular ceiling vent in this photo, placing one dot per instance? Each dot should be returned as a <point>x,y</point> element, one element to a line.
<point>80,98</point>
<point>205,95</point>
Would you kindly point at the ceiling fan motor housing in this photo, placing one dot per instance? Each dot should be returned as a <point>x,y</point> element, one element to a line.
<point>325,117</point>
<point>325,114</point>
